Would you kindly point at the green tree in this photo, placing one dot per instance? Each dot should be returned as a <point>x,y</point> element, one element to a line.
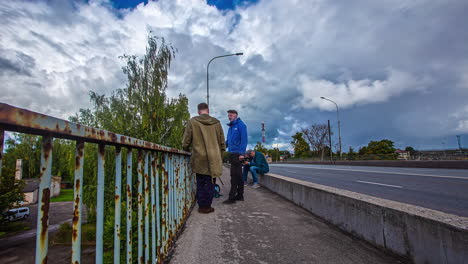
<point>383,146</point>
<point>383,149</point>
<point>141,110</point>
<point>274,153</point>
<point>410,149</point>
<point>285,153</point>
<point>11,190</point>
<point>351,154</point>
<point>27,148</point>
<point>301,148</point>
<point>260,148</point>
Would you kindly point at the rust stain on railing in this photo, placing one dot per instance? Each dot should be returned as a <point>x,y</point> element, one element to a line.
<point>163,175</point>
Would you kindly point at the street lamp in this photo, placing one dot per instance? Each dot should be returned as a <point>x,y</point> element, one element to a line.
<point>207,73</point>
<point>338,117</point>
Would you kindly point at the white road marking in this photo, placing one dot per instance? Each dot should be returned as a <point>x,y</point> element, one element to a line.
<point>376,183</point>
<point>386,172</point>
<point>290,171</point>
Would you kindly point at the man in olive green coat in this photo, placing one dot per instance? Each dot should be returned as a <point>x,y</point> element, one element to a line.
<point>204,137</point>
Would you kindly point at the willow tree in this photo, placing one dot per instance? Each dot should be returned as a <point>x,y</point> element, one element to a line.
<point>142,110</point>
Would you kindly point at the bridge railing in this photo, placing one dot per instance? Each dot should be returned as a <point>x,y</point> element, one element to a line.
<point>165,190</point>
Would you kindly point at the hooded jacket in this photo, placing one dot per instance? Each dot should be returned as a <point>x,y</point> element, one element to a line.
<point>237,137</point>
<point>260,162</point>
<point>204,137</point>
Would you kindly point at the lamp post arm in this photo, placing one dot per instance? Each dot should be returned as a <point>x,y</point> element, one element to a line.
<point>339,126</point>
<point>208,74</point>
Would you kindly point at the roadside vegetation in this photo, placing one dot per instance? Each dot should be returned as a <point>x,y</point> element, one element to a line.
<point>64,234</point>
<point>8,228</point>
<point>66,195</point>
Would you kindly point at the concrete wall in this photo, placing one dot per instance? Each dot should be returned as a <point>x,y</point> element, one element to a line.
<point>31,197</point>
<point>420,234</point>
<point>55,185</point>
<point>441,164</point>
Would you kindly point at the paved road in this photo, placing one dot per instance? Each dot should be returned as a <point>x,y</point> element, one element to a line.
<point>20,248</point>
<point>440,189</point>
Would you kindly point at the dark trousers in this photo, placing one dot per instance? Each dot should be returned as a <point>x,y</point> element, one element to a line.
<point>237,184</point>
<point>205,190</point>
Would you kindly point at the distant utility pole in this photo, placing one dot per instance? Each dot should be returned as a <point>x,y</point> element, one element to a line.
<point>329,141</point>
<point>443,148</point>
<point>263,132</point>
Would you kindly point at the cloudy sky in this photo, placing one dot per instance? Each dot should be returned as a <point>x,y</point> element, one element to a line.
<point>398,69</point>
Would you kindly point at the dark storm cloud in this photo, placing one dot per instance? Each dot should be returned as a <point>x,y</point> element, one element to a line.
<point>398,69</point>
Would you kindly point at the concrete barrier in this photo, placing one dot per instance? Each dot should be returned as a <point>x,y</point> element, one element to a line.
<point>439,164</point>
<point>419,234</point>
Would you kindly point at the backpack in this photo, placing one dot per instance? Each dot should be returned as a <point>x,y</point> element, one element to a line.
<point>217,191</point>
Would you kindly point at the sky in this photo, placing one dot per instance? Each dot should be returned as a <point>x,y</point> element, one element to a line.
<point>397,69</point>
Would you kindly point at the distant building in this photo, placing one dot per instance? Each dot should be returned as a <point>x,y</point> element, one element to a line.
<point>55,185</point>
<point>402,154</point>
<point>31,189</point>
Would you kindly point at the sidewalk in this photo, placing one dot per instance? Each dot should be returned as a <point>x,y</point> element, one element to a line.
<point>266,228</point>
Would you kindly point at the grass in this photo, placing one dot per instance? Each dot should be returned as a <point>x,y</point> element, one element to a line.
<point>64,234</point>
<point>66,195</point>
<point>12,227</point>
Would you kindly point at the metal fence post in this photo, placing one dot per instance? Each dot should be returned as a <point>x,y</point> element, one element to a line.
<point>140,206</point>
<point>2,138</point>
<point>129,205</point>
<point>153,210</point>
<point>117,212</point>
<point>171,197</point>
<point>179,192</point>
<point>42,237</point>
<point>147,207</point>
<point>164,211</point>
<point>78,203</point>
<point>158,207</point>
<point>184,188</point>
<point>100,205</point>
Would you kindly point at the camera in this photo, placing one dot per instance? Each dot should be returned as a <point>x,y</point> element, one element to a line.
<point>246,159</point>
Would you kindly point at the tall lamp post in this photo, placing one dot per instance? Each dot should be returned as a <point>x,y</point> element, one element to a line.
<point>207,73</point>
<point>339,128</point>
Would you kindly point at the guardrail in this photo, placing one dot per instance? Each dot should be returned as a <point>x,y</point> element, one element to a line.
<point>165,192</point>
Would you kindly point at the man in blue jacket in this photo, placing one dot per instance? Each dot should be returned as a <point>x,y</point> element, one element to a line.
<point>236,144</point>
<point>257,164</point>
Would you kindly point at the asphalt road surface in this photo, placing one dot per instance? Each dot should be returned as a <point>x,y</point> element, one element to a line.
<point>444,190</point>
<point>20,248</point>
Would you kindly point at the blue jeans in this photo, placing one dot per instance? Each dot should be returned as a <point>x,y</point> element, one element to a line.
<point>254,170</point>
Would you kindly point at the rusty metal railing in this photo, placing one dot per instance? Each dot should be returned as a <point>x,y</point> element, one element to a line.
<point>165,190</point>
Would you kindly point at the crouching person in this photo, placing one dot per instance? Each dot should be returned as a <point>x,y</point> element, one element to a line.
<point>257,165</point>
<point>204,137</point>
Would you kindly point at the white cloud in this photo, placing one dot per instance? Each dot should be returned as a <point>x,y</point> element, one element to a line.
<point>354,92</point>
<point>358,54</point>
<point>461,120</point>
